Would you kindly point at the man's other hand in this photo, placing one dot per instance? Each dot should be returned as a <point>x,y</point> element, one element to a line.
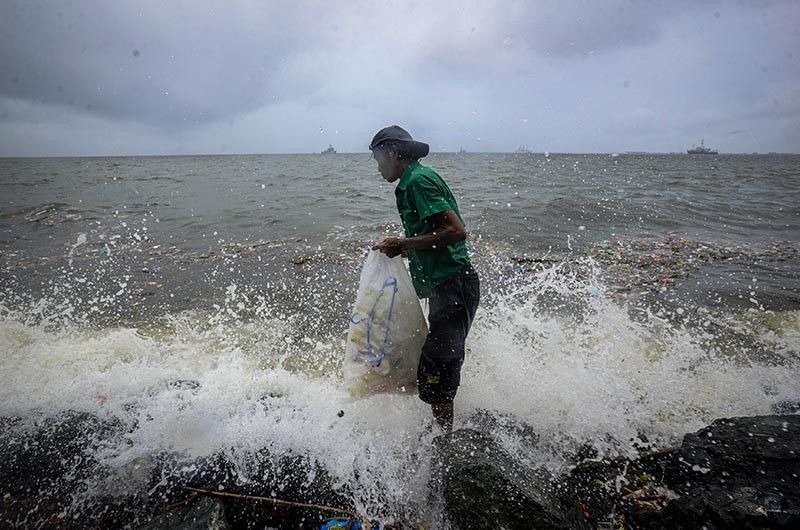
<point>391,246</point>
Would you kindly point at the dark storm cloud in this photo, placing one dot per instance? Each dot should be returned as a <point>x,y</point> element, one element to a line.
<point>587,27</point>
<point>166,63</point>
<point>186,63</point>
<point>594,27</point>
<point>286,76</point>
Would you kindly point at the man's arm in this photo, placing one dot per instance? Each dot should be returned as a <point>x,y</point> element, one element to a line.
<point>447,229</point>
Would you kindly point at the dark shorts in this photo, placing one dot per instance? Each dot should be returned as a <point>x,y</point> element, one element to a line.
<point>452,309</point>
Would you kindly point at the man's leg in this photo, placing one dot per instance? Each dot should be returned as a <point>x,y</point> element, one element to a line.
<point>452,308</point>
<point>443,414</point>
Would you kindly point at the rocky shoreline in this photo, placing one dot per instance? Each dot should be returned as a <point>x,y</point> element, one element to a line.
<point>734,473</point>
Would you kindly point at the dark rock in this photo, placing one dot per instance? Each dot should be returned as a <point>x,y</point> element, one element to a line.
<point>759,449</point>
<point>46,470</point>
<point>717,507</point>
<point>484,487</point>
<point>205,514</point>
<point>739,472</point>
<point>291,478</point>
<point>52,477</point>
<point>598,492</point>
<point>786,407</point>
<point>297,479</point>
<point>735,473</point>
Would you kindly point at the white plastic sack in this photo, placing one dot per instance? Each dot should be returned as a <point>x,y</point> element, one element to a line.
<point>387,329</point>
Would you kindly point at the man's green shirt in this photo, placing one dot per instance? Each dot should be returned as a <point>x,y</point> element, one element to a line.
<point>421,194</point>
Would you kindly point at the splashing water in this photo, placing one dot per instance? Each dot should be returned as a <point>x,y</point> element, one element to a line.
<point>550,350</point>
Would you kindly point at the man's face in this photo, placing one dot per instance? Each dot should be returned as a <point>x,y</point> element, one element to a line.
<point>388,165</point>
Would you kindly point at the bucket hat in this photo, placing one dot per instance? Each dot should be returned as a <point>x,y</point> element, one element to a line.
<point>397,135</point>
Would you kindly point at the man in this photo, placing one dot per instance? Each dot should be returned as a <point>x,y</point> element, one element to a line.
<point>435,243</point>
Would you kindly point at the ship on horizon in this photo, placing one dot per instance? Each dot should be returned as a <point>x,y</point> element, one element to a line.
<point>329,151</point>
<point>702,150</point>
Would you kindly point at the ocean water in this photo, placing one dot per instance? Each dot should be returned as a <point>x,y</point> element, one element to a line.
<point>205,300</point>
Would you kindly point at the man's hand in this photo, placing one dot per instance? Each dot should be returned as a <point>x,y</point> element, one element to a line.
<point>391,246</point>
<point>447,229</point>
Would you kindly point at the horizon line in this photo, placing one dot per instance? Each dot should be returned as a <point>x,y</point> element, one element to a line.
<point>316,153</point>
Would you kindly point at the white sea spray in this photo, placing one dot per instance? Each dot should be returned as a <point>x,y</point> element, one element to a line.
<point>551,352</point>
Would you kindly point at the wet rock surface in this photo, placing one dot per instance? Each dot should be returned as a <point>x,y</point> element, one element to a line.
<point>45,470</point>
<point>484,487</point>
<point>205,514</point>
<point>734,473</point>
<point>739,472</point>
<point>52,477</point>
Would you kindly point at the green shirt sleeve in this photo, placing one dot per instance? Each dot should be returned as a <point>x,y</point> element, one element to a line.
<point>429,198</point>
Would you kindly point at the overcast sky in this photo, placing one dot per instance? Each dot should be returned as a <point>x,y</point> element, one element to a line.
<point>106,77</point>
